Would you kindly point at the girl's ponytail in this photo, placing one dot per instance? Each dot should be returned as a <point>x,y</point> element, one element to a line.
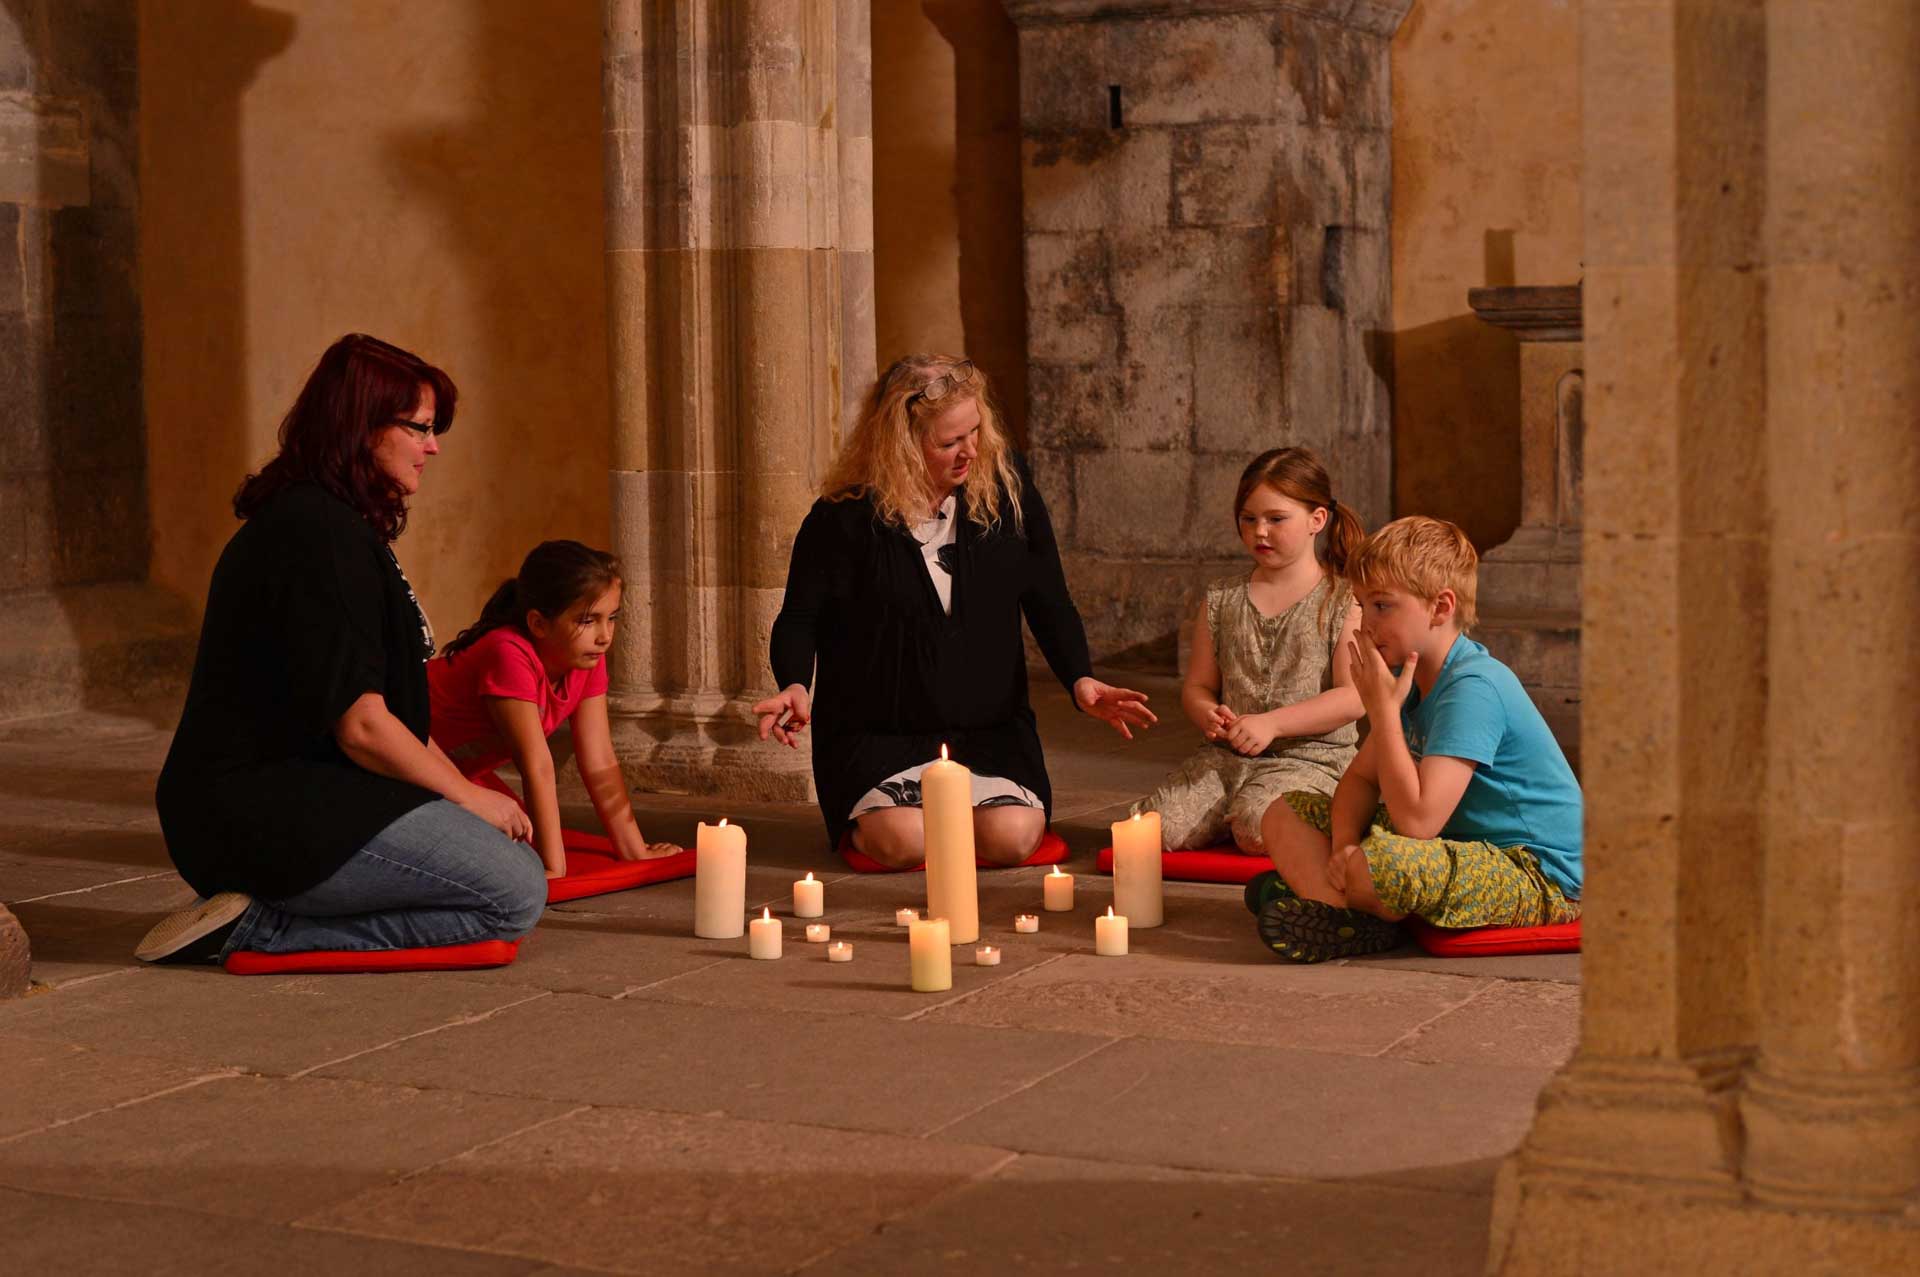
<point>502,608</point>
<point>1345,532</point>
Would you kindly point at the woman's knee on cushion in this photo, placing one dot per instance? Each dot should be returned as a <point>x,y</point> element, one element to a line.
<point>894,836</point>
<point>1007,835</point>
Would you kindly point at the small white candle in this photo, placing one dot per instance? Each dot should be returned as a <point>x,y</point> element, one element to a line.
<point>1136,869</point>
<point>839,951</point>
<point>809,899</point>
<point>763,936</point>
<point>817,932</point>
<point>930,956</point>
<point>1110,935</point>
<point>720,881</point>
<point>986,956</point>
<point>1027,922</point>
<point>1057,891</point>
<point>905,917</point>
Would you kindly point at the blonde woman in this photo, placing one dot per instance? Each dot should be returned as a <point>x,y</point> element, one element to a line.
<point>907,585</point>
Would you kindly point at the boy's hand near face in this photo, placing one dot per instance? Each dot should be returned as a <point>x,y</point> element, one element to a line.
<point>1380,691</point>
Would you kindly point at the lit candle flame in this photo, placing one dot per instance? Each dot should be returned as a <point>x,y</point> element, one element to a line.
<point>1136,815</point>
<point>1056,872</point>
<point>723,822</point>
<point>766,914</point>
<point>1109,911</point>
<point>943,753</point>
<point>809,875</point>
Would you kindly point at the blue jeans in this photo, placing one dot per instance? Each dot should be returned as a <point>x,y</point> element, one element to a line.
<point>438,875</point>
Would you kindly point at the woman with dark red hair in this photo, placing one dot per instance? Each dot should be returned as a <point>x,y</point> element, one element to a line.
<point>302,797</point>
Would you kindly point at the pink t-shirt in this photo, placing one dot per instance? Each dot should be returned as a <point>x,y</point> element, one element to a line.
<point>501,663</point>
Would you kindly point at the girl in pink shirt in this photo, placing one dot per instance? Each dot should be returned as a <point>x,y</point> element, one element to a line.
<point>535,659</point>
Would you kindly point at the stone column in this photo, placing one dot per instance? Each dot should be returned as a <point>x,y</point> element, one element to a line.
<point>1832,1107</point>
<point>1207,193</point>
<point>739,269</point>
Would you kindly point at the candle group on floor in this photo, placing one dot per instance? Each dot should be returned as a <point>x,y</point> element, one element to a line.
<point>953,898</point>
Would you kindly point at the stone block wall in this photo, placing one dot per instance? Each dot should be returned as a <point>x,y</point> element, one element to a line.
<point>73,499</point>
<point>1207,272</point>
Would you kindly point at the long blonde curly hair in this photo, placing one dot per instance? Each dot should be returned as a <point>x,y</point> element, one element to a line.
<point>882,458</point>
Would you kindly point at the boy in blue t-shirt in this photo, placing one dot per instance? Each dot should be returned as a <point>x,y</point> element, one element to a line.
<point>1459,807</point>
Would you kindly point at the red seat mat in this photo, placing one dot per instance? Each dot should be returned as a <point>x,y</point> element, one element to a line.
<point>445,957</point>
<point>1201,866</point>
<point>1486,942</point>
<point>1051,851</point>
<point>593,868</point>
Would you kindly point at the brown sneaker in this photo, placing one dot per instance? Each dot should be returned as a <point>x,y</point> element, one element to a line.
<point>196,934</point>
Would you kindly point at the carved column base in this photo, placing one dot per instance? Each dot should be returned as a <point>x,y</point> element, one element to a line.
<point>16,959</point>
<point>1833,1142</point>
<point>705,744</point>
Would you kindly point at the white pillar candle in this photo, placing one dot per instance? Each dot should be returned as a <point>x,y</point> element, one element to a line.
<point>986,956</point>
<point>839,951</point>
<point>720,881</point>
<point>1136,869</point>
<point>905,917</point>
<point>930,956</point>
<point>1026,922</point>
<point>809,898</point>
<point>817,932</point>
<point>1110,935</point>
<point>946,796</point>
<point>763,936</point>
<point>1056,891</point>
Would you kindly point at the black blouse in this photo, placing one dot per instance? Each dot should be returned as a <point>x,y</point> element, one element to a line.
<point>894,677</point>
<point>307,611</point>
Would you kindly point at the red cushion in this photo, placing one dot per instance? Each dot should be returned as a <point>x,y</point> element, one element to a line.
<point>1211,865</point>
<point>593,868</point>
<point>1051,851</point>
<point>1470,942</point>
<point>445,957</point>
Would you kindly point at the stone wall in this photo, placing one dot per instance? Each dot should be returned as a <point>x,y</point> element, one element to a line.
<point>1207,200</point>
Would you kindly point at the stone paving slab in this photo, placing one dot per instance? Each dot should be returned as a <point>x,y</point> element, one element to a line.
<point>93,933</point>
<point>273,1149</point>
<point>1525,1024</point>
<point>44,1233</point>
<point>1054,1214</point>
<point>854,1072</point>
<point>1326,1008</point>
<point>1266,1111</point>
<point>658,1193</point>
<point>261,1024</point>
<point>48,1082</point>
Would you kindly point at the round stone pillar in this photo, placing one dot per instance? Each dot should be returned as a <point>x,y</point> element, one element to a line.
<point>739,273</point>
<point>1832,1108</point>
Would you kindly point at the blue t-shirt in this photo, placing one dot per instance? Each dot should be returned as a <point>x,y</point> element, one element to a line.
<point>1523,793</point>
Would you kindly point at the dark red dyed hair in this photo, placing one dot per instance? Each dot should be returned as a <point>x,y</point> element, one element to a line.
<point>358,389</point>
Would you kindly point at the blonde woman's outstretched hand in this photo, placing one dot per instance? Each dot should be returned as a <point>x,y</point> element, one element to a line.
<point>1121,708</point>
<point>785,715</point>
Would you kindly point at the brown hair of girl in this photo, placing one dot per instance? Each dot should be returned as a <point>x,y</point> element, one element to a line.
<point>553,577</point>
<point>1297,474</point>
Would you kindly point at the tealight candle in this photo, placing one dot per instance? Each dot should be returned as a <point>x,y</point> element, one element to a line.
<point>1027,922</point>
<point>1057,891</point>
<point>986,956</point>
<point>1110,935</point>
<point>809,897</point>
<point>1136,869</point>
<point>720,881</point>
<point>839,951</point>
<point>763,936</point>
<point>905,917</point>
<point>930,956</point>
<point>817,932</point>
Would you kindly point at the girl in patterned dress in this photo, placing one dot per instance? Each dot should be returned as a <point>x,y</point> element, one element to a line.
<point>1268,684</point>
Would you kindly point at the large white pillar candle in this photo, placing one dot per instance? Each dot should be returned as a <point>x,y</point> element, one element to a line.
<point>1056,891</point>
<point>1136,869</point>
<point>1110,935</point>
<point>763,938</point>
<point>720,881</point>
<point>930,956</point>
<point>809,897</point>
<point>946,796</point>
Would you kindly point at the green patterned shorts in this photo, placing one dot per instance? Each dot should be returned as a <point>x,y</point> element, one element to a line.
<point>1449,883</point>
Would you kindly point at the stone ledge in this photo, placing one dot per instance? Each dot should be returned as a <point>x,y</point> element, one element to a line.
<point>64,648</point>
<point>1381,17</point>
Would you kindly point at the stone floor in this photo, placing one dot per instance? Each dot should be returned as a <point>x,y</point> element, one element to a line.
<point>627,1098</point>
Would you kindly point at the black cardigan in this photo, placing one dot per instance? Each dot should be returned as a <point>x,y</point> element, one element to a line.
<point>897,677</point>
<point>307,610</point>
